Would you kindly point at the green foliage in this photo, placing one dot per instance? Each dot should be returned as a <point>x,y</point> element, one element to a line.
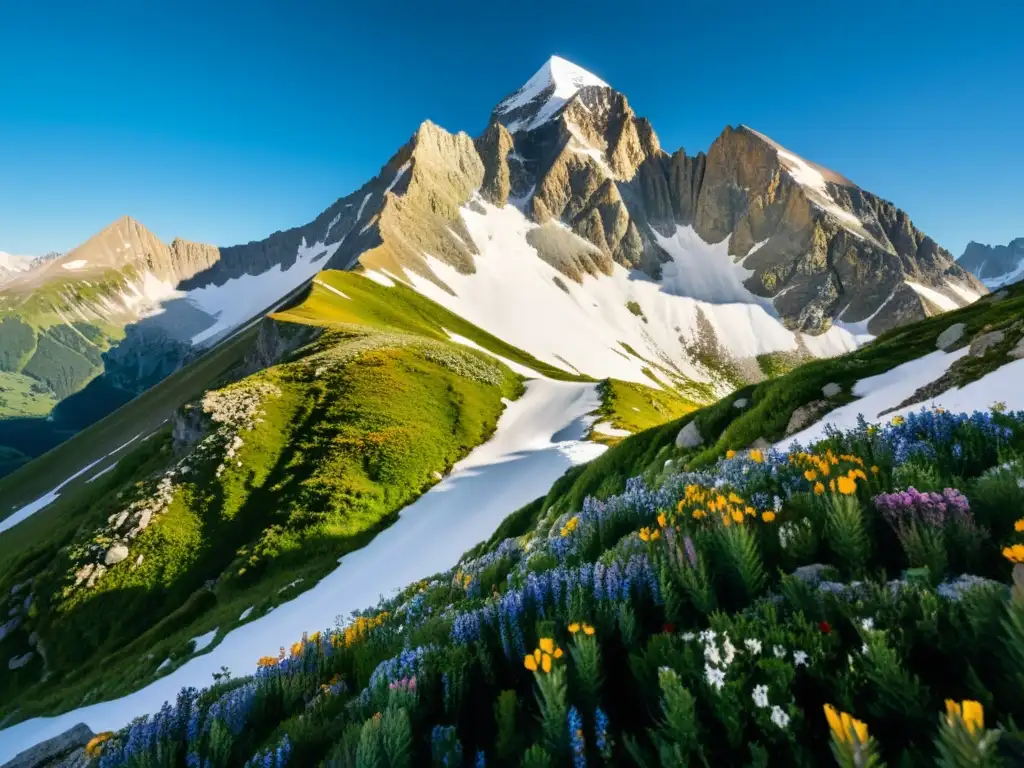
<point>17,343</point>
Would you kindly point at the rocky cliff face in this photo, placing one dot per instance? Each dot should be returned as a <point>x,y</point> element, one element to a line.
<point>995,265</point>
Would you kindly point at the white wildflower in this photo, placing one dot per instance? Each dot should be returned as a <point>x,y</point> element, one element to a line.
<point>779,717</point>
<point>864,648</point>
<point>730,650</point>
<point>712,654</point>
<point>688,636</point>
<point>777,504</point>
<point>753,645</point>
<point>708,636</point>
<point>714,676</point>
<point>760,696</point>
<point>800,658</point>
<point>867,624</point>
<point>1020,482</point>
<point>779,651</point>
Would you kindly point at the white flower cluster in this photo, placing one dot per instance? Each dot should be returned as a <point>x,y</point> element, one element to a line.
<point>716,659</point>
<point>789,531</point>
<point>779,715</point>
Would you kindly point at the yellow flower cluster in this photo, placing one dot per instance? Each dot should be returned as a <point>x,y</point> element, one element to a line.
<point>270,661</point>
<point>463,580</point>
<point>825,467</point>
<point>357,630</point>
<point>1019,526</point>
<point>542,656</point>
<point>969,712</point>
<point>845,727</point>
<point>709,503</point>
<point>95,746</point>
<point>649,534</point>
<point>570,525</point>
<point>1014,554</point>
<point>325,689</point>
<point>581,626</point>
<point>756,456</point>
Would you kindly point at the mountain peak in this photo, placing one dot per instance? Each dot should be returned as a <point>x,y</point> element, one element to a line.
<point>544,94</point>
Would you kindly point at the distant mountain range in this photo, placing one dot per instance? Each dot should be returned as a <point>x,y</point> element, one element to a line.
<point>995,265</point>
<point>564,229</point>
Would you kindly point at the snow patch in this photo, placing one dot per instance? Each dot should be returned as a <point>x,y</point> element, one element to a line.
<point>204,640</point>
<point>362,205</point>
<point>964,293</point>
<point>31,508</point>
<point>101,472</point>
<point>606,428</point>
<point>246,613</point>
<point>940,300</point>
<point>76,264</point>
<point>332,289</point>
<point>398,176</point>
<point>379,277</point>
<point>562,77</point>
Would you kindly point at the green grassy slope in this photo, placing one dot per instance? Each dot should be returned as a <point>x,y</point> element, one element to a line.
<point>339,437</point>
<point>635,407</point>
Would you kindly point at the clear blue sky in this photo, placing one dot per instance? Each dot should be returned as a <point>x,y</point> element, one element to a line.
<point>225,120</point>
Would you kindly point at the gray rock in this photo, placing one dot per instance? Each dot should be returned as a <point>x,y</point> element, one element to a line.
<point>1017,353</point>
<point>831,389</point>
<point>17,662</point>
<point>437,476</point>
<point>62,748</point>
<point>760,445</point>
<point>115,554</point>
<point>805,415</point>
<point>740,403</point>
<point>981,344</point>
<point>689,436</point>
<point>138,560</point>
<point>950,336</point>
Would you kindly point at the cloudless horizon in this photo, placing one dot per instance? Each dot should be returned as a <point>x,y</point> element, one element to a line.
<point>224,122</point>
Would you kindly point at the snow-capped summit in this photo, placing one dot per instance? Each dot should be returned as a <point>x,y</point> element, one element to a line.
<point>544,94</point>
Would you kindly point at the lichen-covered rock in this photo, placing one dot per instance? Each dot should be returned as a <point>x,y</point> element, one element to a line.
<point>689,436</point>
<point>1017,353</point>
<point>981,344</point>
<point>950,336</point>
<point>806,415</point>
<point>60,751</point>
<point>115,554</point>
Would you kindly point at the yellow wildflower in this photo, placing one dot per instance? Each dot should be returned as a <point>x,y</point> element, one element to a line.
<point>819,488</point>
<point>750,511</point>
<point>730,454</point>
<point>733,498</point>
<point>545,663</point>
<point>1019,525</point>
<point>699,513</point>
<point>587,629</point>
<point>95,746</point>
<point>1014,554</point>
<point>547,645</point>
<point>530,663</point>
<point>897,420</point>
<point>768,516</point>
<point>558,653</point>
<point>971,712</point>
<point>737,516</point>
<point>845,727</point>
<point>756,456</point>
<point>874,469</point>
<point>662,520</point>
<point>846,486</point>
<point>832,485</point>
<point>811,475</point>
<point>824,468</point>
<point>574,628</point>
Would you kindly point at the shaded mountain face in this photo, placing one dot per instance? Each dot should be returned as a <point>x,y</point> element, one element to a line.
<point>995,265</point>
<point>564,226</point>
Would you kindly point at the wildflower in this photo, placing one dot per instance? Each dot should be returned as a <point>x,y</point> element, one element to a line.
<point>1014,554</point>
<point>846,485</point>
<point>1019,526</point>
<point>688,636</point>
<point>587,629</point>
<point>825,627</point>
<point>669,627</point>
<point>779,717</point>
<point>779,651</point>
<point>601,730</point>
<point>730,454</point>
<point>757,456</point>
<point>662,520</point>
<point>811,475</point>
<point>714,676</point>
<point>799,658</point>
<point>971,712</point>
<point>818,489</point>
<point>897,420</point>
<point>530,662</point>
<point>867,624</point>
<point>753,645</point>
<point>760,696</point>
<point>576,741</point>
<point>574,627</point>
<point>844,727</point>
<point>768,517</point>
<point>547,645</point>
<point>874,469</point>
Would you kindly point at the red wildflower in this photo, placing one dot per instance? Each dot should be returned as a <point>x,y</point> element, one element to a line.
<point>825,627</point>
<point>669,627</point>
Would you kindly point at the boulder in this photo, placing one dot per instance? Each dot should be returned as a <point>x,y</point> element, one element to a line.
<point>115,554</point>
<point>831,389</point>
<point>811,574</point>
<point>689,436</point>
<point>740,403</point>
<point>982,344</point>
<point>1017,353</point>
<point>59,748</point>
<point>950,336</point>
<point>760,445</point>
<point>805,415</point>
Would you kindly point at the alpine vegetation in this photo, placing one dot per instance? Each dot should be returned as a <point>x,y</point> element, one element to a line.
<point>858,601</point>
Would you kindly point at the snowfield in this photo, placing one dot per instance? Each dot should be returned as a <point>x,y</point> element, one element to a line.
<point>516,296</point>
<point>538,437</point>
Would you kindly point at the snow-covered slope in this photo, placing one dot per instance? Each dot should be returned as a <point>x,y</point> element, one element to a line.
<point>545,93</point>
<point>620,325</point>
